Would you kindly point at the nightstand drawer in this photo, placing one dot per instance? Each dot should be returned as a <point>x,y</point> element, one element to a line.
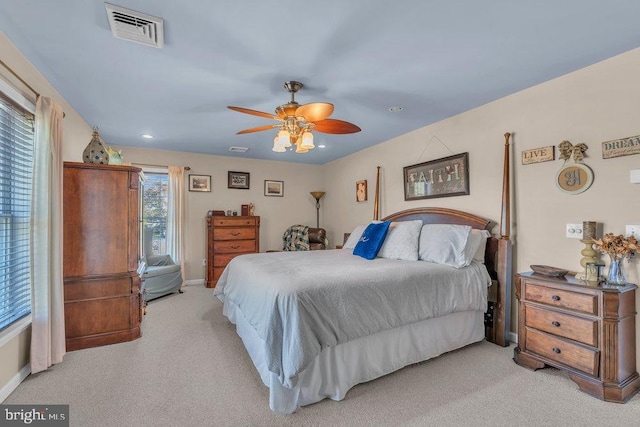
<point>578,357</point>
<point>584,303</point>
<point>564,325</point>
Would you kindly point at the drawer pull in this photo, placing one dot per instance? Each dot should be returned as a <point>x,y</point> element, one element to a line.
<point>555,298</point>
<point>235,233</point>
<point>235,247</point>
<point>556,324</point>
<point>556,350</point>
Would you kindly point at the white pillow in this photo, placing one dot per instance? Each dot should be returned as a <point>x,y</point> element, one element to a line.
<point>354,237</point>
<point>476,245</point>
<point>402,241</point>
<point>445,244</point>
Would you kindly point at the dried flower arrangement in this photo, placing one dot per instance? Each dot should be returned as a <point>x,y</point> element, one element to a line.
<point>617,246</point>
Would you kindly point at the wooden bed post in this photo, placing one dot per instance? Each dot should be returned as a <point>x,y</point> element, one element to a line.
<point>376,201</point>
<point>503,305</point>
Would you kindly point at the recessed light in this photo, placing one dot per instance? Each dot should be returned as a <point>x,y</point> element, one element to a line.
<point>395,109</point>
<point>147,136</point>
<point>322,146</point>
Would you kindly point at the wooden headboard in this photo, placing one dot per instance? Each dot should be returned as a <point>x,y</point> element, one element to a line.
<point>497,261</point>
<point>497,255</point>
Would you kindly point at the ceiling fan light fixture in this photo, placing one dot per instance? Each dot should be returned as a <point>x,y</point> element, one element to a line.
<point>283,137</point>
<point>278,148</point>
<point>297,121</point>
<point>299,149</point>
<point>307,140</point>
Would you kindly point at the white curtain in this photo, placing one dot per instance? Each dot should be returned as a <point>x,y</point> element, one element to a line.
<point>175,216</point>
<point>47,292</point>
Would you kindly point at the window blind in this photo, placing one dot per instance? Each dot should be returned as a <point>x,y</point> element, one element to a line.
<point>16,170</point>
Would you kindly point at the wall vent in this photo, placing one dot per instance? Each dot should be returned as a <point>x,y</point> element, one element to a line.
<point>127,24</point>
<point>238,149</point>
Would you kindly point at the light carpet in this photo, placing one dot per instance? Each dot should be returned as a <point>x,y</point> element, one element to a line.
<point>191,369</point>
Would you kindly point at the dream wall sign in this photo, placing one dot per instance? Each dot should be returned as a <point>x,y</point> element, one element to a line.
<point>621,147</point>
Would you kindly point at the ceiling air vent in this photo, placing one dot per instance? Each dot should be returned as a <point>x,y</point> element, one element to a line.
<point>127,24</point>
<point>238,149</point>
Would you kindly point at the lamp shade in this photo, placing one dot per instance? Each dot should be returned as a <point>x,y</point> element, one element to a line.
<point>307,140</point>
<point>318,194</point>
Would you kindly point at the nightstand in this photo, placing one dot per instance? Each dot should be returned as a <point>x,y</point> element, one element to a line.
<point>585,329</point>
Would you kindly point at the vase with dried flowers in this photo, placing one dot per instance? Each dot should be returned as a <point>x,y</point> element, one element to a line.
<point>618,248</point>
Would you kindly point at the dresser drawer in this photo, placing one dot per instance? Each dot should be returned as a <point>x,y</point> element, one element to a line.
<point>230,221</point>
<point>221,260</point>
<point>577,356</point>
<point>234,233</point>
<point>234,246</point>
<point>584,303</point>
<point>564,325</point>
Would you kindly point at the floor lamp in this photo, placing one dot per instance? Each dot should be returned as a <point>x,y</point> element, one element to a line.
<point>317,195</point>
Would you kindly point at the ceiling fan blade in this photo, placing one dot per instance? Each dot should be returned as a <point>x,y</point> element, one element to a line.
<point>315,111</point>
<point>335,126</point>
<point>257,129</point>
<point>254,112</point>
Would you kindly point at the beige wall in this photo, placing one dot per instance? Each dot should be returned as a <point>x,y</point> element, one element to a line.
<point>276,213</point>
<point>592,105</point>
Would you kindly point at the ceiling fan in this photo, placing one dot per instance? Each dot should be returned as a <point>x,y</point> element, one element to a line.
<point>297,121</point>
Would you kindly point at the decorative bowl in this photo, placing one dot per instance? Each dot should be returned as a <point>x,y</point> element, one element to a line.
<point>549,271</point>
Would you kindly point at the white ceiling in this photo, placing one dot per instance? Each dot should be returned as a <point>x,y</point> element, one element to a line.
<point>434,58</point>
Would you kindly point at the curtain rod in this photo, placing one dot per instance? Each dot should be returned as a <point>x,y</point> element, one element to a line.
<point>187,168</point>
<point>23,82</point>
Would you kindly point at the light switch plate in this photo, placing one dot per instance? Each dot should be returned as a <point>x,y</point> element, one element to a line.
<point>632,230</point>
<point>574,231</point>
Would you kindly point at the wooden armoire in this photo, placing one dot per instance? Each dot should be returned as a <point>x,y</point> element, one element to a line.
<point>102,300</point>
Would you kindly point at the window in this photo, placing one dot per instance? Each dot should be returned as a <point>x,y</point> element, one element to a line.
<point>16,169</point>
<point>154,213</point>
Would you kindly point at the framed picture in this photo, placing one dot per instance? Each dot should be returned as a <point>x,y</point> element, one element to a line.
<point>273,188</point>
<point>444,177</point>
<point>238,180</point>
<point>199,182</point>
<point>361,191</point>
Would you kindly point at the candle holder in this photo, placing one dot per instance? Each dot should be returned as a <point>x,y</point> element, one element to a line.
<point>588,253</point>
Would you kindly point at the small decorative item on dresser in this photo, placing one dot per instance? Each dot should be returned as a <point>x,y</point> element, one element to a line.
<point>115,157</point>
<point>588,253</point>
<point>546,270</point>
<point>96,152</point>
<point>244,210</point>
<point>618,248</point>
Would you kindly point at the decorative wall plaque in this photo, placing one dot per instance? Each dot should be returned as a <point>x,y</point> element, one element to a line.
<point>576,177</point>
<point>538,155</point>
<point>621,147</point>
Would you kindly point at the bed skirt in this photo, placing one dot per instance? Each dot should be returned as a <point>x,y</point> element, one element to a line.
<point>337,369</point>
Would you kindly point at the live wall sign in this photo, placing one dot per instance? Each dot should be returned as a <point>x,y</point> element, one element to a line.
<point>621,147</point>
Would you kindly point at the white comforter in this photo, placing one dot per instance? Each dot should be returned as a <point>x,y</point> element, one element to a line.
<point>301,302</point>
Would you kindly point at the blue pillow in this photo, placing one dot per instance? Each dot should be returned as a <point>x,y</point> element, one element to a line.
<point>371,240</point>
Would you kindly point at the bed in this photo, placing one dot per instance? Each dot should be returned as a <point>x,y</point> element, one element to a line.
<point>317,323</point>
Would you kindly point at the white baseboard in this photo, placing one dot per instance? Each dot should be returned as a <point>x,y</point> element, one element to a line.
<point>513,337</point>
<point>198,282</point>
<point>14,382</point>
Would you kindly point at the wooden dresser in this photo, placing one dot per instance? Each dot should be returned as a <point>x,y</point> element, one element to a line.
<point>586,329</point>
<point>228,237</point>
<point>102,300</point>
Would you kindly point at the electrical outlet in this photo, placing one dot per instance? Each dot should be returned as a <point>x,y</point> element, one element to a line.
<point>574,231</point>
<point>633,230</point>
<point>204,262</point>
